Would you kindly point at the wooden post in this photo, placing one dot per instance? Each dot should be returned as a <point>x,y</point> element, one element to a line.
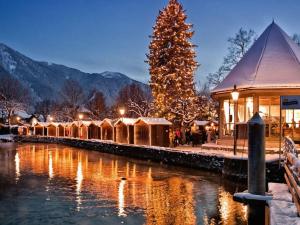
<point>255,104</point>
<point>234,127</point>
<point>221,118</point>
<point>150,135</point>
<point>256,156</point>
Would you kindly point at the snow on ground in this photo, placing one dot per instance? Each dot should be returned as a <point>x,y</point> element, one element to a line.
<point>6,137</point>
<point>222,153</point>
<point>282,209</point>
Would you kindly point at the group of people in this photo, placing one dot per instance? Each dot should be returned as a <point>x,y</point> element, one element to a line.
<point>178,137</point>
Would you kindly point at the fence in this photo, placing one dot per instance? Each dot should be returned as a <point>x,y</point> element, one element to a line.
<point>292,170</point>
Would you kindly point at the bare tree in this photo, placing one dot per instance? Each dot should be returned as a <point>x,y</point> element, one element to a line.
<point>72,98</point>
<point>45,107</point>
<point>135,99</point>
<point>96,104</point>
<point>14,96</point>
<point>238,46</point>
<point>296,39</point>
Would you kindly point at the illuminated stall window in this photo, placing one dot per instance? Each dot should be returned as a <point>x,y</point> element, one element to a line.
<point>269,110</point>
<point>245,112</point>
<point>249,108</point>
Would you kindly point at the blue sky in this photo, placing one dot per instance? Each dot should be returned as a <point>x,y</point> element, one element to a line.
<point>112,35</point>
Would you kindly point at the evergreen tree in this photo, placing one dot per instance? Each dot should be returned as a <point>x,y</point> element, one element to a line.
<point>172,65</point>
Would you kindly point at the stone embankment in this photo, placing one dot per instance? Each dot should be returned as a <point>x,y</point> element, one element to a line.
<point>232,167</point>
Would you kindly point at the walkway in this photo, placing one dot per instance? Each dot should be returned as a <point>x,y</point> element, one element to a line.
<point>282,208</point>
<point>221,153</point>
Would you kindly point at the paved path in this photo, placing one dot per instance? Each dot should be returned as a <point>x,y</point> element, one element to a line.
<point>227,154</point>
<point>282,208</point>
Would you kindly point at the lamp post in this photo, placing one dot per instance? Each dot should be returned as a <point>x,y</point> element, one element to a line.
<point>235,98</point>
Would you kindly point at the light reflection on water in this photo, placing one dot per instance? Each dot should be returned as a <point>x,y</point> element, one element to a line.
<point>59,184</point>
<point>17,161</point>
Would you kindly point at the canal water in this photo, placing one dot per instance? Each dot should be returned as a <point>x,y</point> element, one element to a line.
<point>55,184</point>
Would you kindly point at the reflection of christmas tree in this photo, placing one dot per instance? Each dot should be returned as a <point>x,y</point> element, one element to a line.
<point>172,65</point>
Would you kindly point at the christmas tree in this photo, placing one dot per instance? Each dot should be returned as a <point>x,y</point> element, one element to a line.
<point>172,65</point>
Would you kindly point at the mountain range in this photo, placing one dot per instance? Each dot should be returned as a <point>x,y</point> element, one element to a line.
<point>45,79</point>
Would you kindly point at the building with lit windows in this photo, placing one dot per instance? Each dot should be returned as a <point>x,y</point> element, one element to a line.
<point>270,69</point>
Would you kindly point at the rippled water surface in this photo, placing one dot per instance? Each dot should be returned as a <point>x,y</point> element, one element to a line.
<point>55,184</point>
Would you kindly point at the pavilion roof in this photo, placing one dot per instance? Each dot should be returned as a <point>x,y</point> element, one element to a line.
<point>273,61</point>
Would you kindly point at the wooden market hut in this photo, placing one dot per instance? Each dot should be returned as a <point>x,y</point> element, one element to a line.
<point>199,125</point>
<point>40,128</point>
<point>124,130</point>
<point>61,129</point>
<point>95,130</point>
<point>270,69</point>
<point>84,129</point>
<point>23,130</point>
<point>107,130</point>
<point>52,129</point>
<point>74,128</point>
<point>152,131</point>
<point>67,129</point>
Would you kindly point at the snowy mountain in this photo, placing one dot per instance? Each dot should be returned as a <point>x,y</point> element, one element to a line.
<point>45,79</point>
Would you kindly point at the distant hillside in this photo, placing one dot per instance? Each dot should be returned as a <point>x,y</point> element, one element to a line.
<point>45,79</point>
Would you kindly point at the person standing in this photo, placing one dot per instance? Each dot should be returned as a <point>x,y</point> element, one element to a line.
<point>177,137</point>
<point>187,136</point>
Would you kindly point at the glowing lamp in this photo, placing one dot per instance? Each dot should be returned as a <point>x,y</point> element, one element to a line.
<point>235,94</point>
<point>122,111</point>
<point>80,116</point>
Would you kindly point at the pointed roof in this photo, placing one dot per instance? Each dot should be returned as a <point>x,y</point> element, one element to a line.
<point>273,61</point>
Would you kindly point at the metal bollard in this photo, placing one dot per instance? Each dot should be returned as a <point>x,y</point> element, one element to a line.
<point>256,156</point>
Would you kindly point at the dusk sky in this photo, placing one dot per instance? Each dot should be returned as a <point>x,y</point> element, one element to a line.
<point>112,35</point>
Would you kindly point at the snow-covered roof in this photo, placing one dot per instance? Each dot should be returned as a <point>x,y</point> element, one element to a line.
<point>23,114</point>
<point>66,124</point>
<point>201,122</point>
<point>273,61</point>
<point>154,121</point>
<point>110,121</point>
<point>126,121</point>
<point>97,122</point>
<point>81,122</point>
<point>53,124</point>
<point>42,124</point>
<point>85,123</point>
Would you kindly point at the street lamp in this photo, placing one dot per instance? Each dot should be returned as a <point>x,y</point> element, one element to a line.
<point>122,111</point>
<point>235,98</point>
<point>80,116</point>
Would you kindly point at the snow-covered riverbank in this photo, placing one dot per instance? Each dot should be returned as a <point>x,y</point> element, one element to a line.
<point>7,138</point>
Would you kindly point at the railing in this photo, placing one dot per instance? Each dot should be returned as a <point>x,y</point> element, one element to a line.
<point>292,170</point>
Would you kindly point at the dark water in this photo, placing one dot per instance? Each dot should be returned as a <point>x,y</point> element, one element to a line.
<point>54,184</point>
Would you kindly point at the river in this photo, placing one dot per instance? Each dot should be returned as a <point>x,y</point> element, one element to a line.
<point>56,184</point>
